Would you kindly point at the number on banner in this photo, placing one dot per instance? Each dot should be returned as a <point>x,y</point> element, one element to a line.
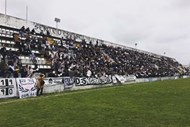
<point>2,82</point>
<point>7,91</point>
<point>6,85</point>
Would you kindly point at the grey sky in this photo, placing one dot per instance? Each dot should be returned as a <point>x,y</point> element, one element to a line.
<point>157,26</point>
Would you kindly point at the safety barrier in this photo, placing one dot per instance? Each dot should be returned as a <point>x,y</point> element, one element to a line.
<point>26,87</point>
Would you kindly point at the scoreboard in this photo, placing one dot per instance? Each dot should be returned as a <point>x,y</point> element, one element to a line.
<point>7,87</point>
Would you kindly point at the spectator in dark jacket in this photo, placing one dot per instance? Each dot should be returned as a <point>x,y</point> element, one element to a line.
<point>3,52</point>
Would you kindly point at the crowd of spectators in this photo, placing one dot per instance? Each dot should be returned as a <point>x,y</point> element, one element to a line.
<point>81,59</point>
<point>101,59</point>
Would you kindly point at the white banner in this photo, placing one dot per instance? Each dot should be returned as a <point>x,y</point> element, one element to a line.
<point>26,87</point>
<point>83,81</point>
<point>7,87</point>
<point>53,80</point>
<point>124,78</point>
<point>68,82</point>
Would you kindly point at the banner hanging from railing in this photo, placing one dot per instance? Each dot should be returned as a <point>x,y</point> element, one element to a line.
<point>26,87</point>
<point>83,81</point>
<point>68,82</point>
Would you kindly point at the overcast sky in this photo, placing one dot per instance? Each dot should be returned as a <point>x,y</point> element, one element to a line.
<point>156,26</point>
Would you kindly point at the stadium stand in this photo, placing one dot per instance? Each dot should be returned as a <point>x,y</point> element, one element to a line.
<point>23,49</point>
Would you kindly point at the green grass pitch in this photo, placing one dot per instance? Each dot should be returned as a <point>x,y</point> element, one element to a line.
<point>155,104</point>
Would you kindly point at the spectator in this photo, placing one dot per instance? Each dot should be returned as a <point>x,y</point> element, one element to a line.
<point>11,70</point>
<point>9,54</point>
<point>27,30</point>
<point>3,69</point>
<point>33,31</point>
<point>89,73</point>
<point>22,31</point>
<point>17,40</point>
<point>23,71</point>
<point>30,71</point>
<point>3,52</point>
<point>40,84</point>
<point>33,58</point>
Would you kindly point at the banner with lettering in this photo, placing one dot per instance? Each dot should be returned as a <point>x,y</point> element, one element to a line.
<point>68,82</point>
<point>54,81</point>
<point>7,87</point>
<point>26,87</point>
<point>83,81</point>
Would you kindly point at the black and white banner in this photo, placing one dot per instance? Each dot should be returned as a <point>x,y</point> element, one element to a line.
<point>83,81</point>
<point>53,81</point>
<point>68,82</point>
<point>26,87</point>
<point>7,87</point>
<point>123,78</point>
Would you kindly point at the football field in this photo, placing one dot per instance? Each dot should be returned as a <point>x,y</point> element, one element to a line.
<point>155,104</point>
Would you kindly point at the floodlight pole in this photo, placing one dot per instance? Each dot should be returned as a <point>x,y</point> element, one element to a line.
<point>56,25</point>
<point>5,7</point>
<point>57,20</point>
<point>6,19</point>
<point>26,13</point>
<point>135,45</point>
